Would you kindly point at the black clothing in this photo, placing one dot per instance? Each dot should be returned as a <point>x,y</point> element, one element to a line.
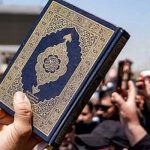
<point>84,128</point>
<point>107,133</point>
<point>143,144</point>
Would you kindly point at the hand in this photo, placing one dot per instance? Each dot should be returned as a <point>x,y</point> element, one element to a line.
<point>147,87</point>
<point>143,85</point>
<point>16,134</point>
<point>128,109</point>
<point>128,114</point>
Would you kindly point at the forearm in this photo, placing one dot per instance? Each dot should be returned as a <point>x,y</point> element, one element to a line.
<point>135,133</point>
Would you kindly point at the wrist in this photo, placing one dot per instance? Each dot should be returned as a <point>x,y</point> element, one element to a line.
<point>135,132</point>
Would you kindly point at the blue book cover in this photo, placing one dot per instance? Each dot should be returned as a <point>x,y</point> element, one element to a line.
<point>62,60</point>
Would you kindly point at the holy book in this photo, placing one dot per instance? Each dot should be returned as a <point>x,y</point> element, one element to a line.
<point>59,65</point>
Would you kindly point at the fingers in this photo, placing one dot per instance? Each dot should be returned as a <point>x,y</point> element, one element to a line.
<point>34,140</point>
<point>5,119</point>
<point>131,95</point>
<point>147,87</point>
<point>131,92</point>
<point>23,114</point>
<point>117,99</point>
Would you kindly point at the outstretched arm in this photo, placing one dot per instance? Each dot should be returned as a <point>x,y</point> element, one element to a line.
<point>128,113</point>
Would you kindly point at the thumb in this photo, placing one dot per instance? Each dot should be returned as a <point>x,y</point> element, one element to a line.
<point>23,115</point>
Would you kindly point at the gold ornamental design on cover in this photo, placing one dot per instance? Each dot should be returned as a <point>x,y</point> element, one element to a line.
<point>93,38</point>
<point>51,64</point>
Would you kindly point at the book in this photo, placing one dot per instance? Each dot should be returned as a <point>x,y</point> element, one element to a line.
<point>59,65</point>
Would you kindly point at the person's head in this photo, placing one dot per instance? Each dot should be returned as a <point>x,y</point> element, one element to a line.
<point>108,108</point>
<point>141,82</point>
<point>86,114</point>
<point>95,99</point>
<point>85,123</point>
<point>105,109</point>
<point>108,135</point>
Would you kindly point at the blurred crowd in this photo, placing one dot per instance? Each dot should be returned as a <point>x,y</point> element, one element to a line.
<point>99,126</point>
<point>5,58</point>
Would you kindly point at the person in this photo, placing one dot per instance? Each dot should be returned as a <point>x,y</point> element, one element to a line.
<point>16,134</point>
<point>84,123</point>
<point>109,110</point>
<point>137,136</point>
<point>105,109</point>
<point>143,98</point>
<point>108,135</point>
<point>68,142</point>
<point>86,114</point>
<point>95,100</point>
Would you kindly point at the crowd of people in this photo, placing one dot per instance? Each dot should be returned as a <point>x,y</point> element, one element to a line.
<point>5,58</point>
<point>117,116</point>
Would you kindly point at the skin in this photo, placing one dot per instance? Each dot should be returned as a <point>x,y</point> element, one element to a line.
<point>144,83</point>
<point>86,115</point>
<point>147,87</point>
<point>128,114</point>
<point>140,100</point>
<point>16,133</point>
<point>67,143</point>
<point>106,101</point>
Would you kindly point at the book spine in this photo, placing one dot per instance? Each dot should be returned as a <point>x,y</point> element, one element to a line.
<point>75,113</point>
<point>91,88</point>
<point>112,56</point>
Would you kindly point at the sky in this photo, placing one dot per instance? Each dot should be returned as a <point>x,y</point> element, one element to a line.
<point>132,15</point>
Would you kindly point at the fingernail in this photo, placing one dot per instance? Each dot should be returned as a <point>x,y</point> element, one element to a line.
<point>19,97</point>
